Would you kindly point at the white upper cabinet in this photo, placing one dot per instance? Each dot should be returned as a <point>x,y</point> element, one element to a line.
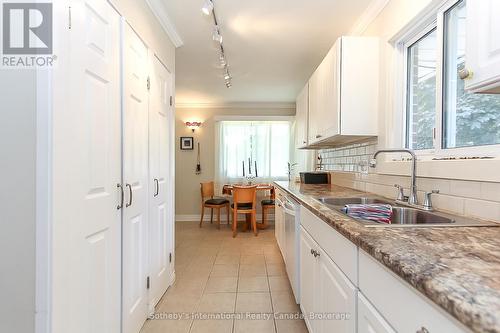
<point>343,93</point>
<point>483,47</point>
<point>302,111</point>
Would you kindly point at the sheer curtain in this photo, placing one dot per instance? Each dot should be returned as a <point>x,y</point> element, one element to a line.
<point>265,143</point>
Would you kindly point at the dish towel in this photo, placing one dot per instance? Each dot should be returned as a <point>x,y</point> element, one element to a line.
<point>373,212</point>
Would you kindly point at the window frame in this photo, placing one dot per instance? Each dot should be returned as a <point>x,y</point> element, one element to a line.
<point>435,19</point>
<point>239,118</point>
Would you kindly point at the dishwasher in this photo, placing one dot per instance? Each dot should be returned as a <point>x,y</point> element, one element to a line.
<point>291,210</point>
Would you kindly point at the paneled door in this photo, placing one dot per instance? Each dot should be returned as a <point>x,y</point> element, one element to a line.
<point>135,179</point>
<point>87,173</point>
<point>308,279</point>
<point>160,217</point>
<point>336,295</point>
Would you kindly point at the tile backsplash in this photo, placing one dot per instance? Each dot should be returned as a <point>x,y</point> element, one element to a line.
<point>349,168</point>
<point>352,158</point>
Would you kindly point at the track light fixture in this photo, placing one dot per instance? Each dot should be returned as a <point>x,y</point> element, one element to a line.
<point>207,9</point>
<point>222,60</point>
<point>216,36</point>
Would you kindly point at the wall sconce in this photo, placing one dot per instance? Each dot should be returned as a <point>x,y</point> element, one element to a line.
<point>193,125</point>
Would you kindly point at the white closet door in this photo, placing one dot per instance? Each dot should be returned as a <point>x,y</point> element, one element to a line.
<point>160,216</point>
<point>87,170</point>
<point>135,179</point>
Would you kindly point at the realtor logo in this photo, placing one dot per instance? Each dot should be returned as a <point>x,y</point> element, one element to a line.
<point>27,30</point>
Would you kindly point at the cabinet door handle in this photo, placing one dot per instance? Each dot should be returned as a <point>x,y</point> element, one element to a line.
<point>423,330</point>
<point>130,200</point>
<point>157,187</point>
<point>122,196</point>
<point>318,136</point>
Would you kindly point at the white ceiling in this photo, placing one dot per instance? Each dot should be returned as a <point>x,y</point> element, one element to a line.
<point>272,46</point>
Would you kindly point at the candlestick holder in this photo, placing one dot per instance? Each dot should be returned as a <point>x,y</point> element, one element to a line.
<point>250,179</point>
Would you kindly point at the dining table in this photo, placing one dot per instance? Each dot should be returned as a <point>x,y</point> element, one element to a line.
<point>227,189</point>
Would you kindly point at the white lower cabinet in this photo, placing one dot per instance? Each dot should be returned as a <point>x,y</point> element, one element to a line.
<point>328,298</point>
<point>369,319</point>
<point>345,290</point>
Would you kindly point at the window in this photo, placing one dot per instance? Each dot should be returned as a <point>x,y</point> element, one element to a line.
<point>469,119</point>
<point>421,97</point>
<point>440,114</point>
<point>265,143</point>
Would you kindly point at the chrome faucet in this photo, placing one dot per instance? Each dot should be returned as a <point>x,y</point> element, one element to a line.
<point>412,198</point>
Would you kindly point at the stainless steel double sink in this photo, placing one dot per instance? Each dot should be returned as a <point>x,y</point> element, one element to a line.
<point>403,216</point>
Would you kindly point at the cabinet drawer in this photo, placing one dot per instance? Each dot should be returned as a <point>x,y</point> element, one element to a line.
<point>404,307</point>
<point>340,249</point>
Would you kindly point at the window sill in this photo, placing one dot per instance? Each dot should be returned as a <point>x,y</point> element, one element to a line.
<point>486,170</point>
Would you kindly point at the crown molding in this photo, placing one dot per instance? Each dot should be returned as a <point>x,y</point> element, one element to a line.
<point>368,16</point>
<point>160,12</point>
<point>236,105</point>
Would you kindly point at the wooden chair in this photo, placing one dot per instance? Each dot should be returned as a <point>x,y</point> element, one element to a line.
<point>244,202</point>
<point>266,205</point>
<point>207,191</point>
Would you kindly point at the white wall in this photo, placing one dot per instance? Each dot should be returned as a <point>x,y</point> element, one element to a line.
<point>17,200</point>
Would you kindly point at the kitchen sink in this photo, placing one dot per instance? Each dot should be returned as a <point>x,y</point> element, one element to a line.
<point>350,201</point>
<point>403,216</point>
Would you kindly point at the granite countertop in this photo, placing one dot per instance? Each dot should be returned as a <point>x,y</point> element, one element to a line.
<point>458,268</point>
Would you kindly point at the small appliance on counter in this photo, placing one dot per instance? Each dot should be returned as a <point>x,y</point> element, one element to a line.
<point>319,177</point>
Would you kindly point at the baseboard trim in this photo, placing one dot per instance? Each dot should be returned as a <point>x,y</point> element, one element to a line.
<point>223,218</point>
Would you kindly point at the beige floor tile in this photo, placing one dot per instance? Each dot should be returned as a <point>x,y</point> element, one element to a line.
<point>291,326</point>
<point>254,326</point>
<point>203,259</point>
<point>284,302</point>
<point>279,283</point>
<point>217,302</point>
<point>276,270</point>
<point>227,259</point>
<point>180,302</point>
<point>250,284</point>
<point>221,284</point>
<point>211,326</point>
<point>170,326</point>
<point>257,259</point>
<point>253,303</point>
<point>274,259</point>
<point>253,270</point>
<point>250,250</point>
<point>225,270</point>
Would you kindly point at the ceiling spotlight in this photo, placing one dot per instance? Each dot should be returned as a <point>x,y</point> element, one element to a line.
<point>222,60</point>
<point>207,8</point>
<point>216,36</point>
<point>227,76</point>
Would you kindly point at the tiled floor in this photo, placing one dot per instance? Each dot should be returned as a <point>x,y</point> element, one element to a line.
<point>239,283</point>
